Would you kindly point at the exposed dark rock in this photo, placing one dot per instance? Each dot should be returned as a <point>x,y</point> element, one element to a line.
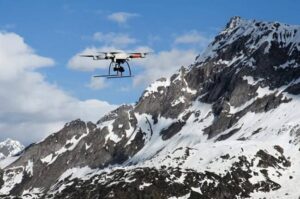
<point>229,134</point>
<point>267,160</point>
<point>172,130</point>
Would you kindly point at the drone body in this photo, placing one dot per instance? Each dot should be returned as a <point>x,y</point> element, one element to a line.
<point>118,59</point>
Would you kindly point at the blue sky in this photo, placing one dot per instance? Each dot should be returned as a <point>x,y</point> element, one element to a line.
<point>61,29</point>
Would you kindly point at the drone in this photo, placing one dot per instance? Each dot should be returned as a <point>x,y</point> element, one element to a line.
<point>118,60</point>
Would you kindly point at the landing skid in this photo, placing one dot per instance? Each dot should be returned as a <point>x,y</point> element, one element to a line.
<point>105,75</point>
<point>113,76</point>
<point>119,73</point>
<point>119,76</point>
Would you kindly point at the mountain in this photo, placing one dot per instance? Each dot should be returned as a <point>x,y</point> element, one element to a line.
<point>9,148</point>
<point>226,126</point>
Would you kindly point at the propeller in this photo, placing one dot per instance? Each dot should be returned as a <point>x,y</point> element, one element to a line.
<point>87,55</point>
<point>95,57</point>
<point>113,52</point>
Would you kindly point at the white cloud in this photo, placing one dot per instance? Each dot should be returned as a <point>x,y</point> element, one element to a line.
<point>121,17</point>
<point>97,83</point>
<point>193,37</point>
<point>163,64</point>
<point>16,56</point>
<point>31,107</point>
<point>114,39</point>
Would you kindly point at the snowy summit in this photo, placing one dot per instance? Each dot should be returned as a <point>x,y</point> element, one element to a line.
<point>9,148</point>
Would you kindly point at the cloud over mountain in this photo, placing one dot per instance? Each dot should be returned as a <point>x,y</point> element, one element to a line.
<point>31,107</point>
<point>162,64</point>
<point>193,37</point>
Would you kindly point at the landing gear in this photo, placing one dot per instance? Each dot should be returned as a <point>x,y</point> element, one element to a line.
<point>119,69</point>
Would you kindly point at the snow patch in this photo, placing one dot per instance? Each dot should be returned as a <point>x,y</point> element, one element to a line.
<point>47,159</point>
<point>251,80</point>
<point>29,167</point>
<point>153,88</point>
<point>80,173</point>
<point>87,146</point>
<point>288,64</point>
<point>7,161</point>
<point>142,186</point>
<point>181,99</point>
<point>11,178</point>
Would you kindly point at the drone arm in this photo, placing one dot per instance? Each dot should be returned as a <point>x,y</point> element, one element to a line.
<point>138,55</point>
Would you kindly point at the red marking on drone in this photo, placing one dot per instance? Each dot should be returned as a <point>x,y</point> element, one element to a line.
<point>135,56</point>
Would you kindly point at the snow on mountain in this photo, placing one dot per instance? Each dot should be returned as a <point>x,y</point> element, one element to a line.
<point>10,147</point>
<point>227,126</point>
<point>258,34</point>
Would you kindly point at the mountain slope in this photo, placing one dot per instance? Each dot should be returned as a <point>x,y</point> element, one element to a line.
<point>224,127</point>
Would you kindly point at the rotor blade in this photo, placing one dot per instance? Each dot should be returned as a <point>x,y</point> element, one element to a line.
<point>87,55</point>
<point>113,52</point>
<point>102,52</point>
<point>95,57</point>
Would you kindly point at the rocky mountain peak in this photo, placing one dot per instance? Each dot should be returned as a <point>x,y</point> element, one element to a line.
<point>10,147</point>
<point>233,22</point>
<point>245,37</point>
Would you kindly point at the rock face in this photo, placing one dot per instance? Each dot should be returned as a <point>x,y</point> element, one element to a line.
<point>227,126</point>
